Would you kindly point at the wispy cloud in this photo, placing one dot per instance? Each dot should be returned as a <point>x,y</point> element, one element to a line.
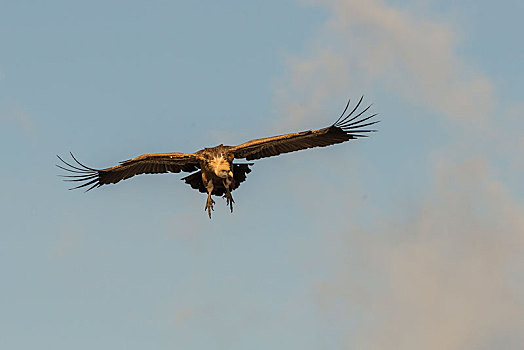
<point>438,278</point>
<point>367,44</point>
<point>441,279</point>
<point>16,115</point>
<point>68,243</point>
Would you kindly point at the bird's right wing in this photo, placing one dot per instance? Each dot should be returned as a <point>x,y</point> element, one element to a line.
<point>144,164</point>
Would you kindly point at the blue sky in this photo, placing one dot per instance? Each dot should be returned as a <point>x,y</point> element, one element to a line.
<point>412,238</point>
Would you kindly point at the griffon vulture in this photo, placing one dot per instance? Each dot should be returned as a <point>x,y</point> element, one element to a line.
<point>214,170</point>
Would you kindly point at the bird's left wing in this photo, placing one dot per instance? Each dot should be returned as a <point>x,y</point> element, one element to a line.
<point>144,164</point>
<point>344,129</point>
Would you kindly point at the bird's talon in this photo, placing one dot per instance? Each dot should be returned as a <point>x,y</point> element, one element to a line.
<point>209,206</point>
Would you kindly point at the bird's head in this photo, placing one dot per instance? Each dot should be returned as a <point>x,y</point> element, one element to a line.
<point>224,172</point>
<point>222,168</point>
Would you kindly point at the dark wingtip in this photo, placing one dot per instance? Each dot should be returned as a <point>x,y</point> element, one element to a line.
<point>354,126</point>
<point>345,119</point>
<point>76,160</point>
<point>84,170</point>
<point>344,112</point>
<point>89,175</point>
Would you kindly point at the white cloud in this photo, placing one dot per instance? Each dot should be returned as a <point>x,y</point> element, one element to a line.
<point>18,116</point>
<point>446,277</point>
<point>367,44</point>
<point>68,243</point>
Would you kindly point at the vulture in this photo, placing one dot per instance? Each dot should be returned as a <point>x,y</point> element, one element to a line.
<point>213,170</point>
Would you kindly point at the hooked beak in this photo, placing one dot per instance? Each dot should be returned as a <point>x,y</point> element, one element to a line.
<point>230,174</point>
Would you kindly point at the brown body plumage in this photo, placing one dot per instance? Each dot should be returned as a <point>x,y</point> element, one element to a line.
<point>214,170</point>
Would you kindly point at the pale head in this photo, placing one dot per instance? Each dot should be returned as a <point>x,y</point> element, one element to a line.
<point>221,167</point>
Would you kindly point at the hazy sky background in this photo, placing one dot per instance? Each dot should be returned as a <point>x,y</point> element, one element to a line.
<point>410,239</point>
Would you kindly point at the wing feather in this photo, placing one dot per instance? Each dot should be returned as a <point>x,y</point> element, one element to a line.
<point>144,164</point>
<point>347,127</point>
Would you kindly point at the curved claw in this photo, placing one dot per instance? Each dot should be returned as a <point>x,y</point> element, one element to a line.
<point>229,200</point>
<point>209,206</point>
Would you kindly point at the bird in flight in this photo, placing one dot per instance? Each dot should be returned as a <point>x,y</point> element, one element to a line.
<point>213,169</point>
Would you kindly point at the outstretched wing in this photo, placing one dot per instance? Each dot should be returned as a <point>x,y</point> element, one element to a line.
<point>344,129</point>
<point>144,164</point>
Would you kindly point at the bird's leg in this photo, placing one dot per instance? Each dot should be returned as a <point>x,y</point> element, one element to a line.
<point>229,197</point>
<point>210,201</point>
